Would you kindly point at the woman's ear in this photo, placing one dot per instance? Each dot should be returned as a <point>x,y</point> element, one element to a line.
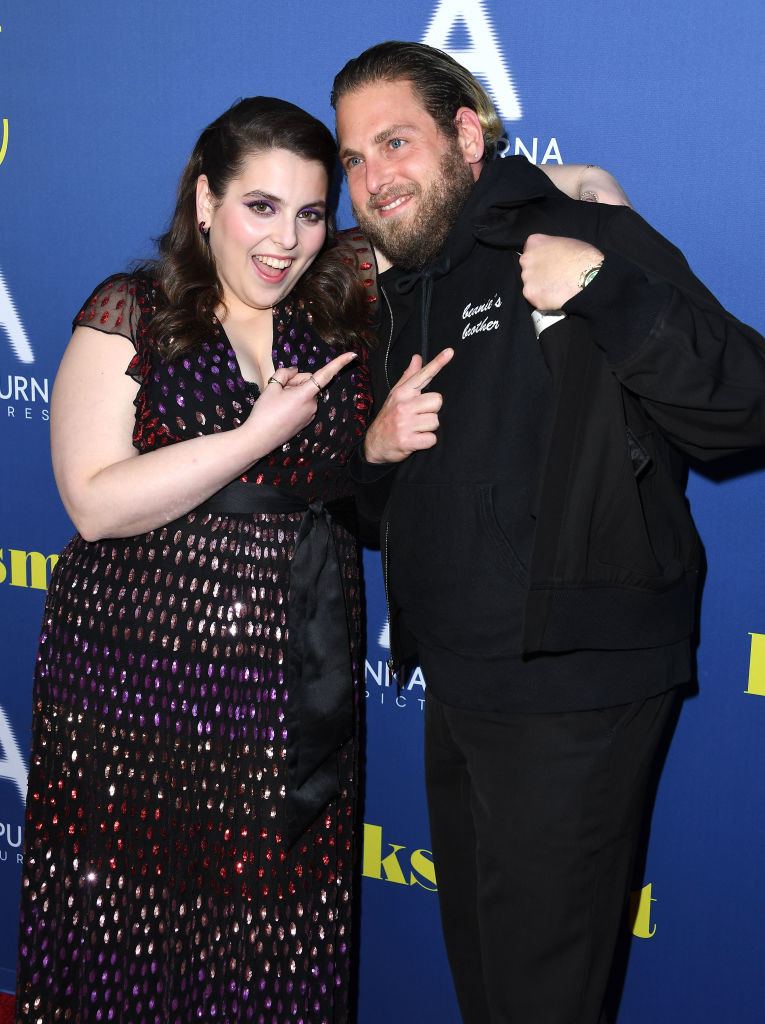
<point>205,202</point>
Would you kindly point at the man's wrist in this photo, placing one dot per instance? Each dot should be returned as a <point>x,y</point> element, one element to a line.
<point>370,456</point>
<point>589,274</point>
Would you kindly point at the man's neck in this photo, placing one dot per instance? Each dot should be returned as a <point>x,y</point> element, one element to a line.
<point>383,263</point>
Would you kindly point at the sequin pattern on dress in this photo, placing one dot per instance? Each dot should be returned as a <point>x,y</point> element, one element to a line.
<point>157,885</point>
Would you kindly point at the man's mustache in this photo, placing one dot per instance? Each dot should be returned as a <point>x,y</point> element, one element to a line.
<point>394,192</point>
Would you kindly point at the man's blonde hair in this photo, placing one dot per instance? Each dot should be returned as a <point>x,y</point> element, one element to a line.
<point>442,85</point>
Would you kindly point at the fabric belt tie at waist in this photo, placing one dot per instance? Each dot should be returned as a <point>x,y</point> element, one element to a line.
<point>319,707</point>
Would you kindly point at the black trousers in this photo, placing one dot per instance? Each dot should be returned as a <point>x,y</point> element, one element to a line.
<point>535,821</point>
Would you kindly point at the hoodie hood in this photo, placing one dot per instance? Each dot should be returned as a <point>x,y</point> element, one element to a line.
<point>504,186</point>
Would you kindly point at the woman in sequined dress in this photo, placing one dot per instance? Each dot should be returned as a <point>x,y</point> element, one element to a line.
<point>189,839</point>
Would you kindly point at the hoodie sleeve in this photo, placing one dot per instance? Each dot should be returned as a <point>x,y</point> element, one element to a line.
<point>698,371</point>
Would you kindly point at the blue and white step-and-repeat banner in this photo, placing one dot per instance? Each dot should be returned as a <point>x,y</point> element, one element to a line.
<point>100,103</point>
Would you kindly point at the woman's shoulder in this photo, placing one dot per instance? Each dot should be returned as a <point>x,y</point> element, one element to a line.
<point>123,303</point>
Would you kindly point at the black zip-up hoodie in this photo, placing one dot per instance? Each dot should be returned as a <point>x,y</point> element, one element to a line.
<point>551,516</point>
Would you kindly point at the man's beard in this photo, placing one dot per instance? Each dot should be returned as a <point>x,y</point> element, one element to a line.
<point>412,244</point>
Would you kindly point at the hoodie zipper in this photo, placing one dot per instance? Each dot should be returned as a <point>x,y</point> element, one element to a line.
<point>427,292</point>
<point>391,663</point>
<point>390,338</point>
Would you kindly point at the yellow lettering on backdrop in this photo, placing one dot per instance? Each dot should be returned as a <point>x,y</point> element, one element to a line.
<point>422,873</point>
<point>392,866</point>
<point>757,665</point>
<point>27,568</point>
<point>373,864</point>
<point>640,911</point>
<point>4,143</point>
<point>422,864</point>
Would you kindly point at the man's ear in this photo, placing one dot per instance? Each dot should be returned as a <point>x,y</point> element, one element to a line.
<point>470,137</point>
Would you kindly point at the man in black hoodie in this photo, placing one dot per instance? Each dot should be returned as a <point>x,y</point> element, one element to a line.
<point>540,559</point>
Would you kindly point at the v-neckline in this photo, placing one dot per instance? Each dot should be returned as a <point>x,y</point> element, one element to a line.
<point>249,384</point>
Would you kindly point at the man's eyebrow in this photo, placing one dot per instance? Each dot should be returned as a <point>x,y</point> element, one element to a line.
<point>389,133</point>
<point>383,136</point>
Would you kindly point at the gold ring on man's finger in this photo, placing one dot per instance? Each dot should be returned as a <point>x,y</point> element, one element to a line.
<point>315,381</point>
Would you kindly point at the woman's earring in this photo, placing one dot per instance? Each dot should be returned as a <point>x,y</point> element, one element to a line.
<point>203,231</point>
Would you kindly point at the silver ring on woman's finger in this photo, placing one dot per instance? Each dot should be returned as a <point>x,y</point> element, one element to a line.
<point>275,380</point>
<point>313,380</point>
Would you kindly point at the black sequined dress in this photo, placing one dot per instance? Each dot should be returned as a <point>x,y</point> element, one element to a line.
<point>158,887</point>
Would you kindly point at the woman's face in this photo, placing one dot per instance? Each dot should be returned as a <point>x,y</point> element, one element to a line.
<point>267,229</point>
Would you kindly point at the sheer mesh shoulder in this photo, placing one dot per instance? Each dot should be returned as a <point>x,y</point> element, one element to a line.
<point>118,306</point>
<point>122,304</point>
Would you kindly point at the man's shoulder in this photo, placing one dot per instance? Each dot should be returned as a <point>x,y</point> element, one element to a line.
<point>515,178</point>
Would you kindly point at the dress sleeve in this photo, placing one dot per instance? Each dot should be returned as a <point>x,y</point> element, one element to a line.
<point>122,304</point>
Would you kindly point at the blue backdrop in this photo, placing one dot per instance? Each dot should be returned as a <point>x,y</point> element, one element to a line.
<point>100,104</point>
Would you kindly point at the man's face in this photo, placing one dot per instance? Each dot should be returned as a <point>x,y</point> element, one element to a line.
<point>407,181</point>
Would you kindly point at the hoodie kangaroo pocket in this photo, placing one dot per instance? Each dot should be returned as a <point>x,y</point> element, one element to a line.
<point>453,573</point>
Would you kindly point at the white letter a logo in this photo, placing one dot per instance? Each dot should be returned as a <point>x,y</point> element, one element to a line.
<point>12,325</point>
<point>12,765</point>
<point>483,57</point>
